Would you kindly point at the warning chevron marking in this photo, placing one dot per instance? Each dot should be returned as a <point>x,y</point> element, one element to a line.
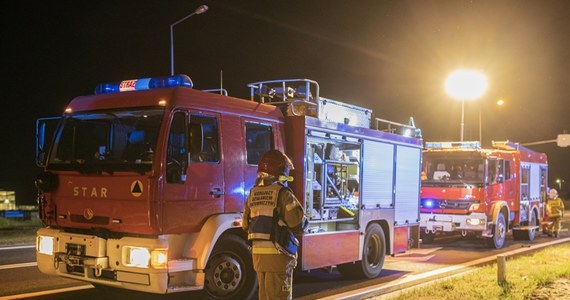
<point>136,188</point>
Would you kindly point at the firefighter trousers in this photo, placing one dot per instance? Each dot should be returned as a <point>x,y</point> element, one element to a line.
<point>556,225</point>
<point>275,275</point>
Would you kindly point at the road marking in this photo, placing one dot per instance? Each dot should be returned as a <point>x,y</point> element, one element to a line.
<point>22,265</point>
<point>18,247</point>
<point>49,292</point>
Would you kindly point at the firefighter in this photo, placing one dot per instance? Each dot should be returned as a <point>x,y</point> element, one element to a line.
<point>271,217</point>
<point>555,210</point>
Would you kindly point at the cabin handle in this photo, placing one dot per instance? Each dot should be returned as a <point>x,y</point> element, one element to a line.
<point>216,192</point>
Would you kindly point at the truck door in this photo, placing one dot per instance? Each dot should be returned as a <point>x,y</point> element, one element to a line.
<point>495,179</point>
<point>509,182</point>
<point>194,185</point>
<point>205,171</point>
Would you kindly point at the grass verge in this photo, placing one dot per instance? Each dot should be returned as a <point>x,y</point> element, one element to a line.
<point>18,232</point>
<point>524,275</point>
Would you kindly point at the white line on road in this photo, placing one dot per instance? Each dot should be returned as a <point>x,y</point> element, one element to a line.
<point>18,247</point>
<point>43,293</point>
<point>15,266</point>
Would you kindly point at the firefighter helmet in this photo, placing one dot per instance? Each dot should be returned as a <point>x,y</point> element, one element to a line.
<point>553,193</point>
<point>275,163</point>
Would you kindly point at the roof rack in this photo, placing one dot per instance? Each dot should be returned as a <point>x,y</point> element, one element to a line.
<point>300,97</point>
<point>394,127</point>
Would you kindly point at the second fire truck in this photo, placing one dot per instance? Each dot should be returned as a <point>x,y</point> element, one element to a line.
<point>488,192</point>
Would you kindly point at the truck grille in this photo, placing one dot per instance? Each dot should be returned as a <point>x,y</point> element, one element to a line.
<point>99,220</point>
<point>446,204</point>
<point>75,249</point>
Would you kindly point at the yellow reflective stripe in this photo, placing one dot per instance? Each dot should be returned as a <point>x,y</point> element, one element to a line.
<point>264,250</point>
<point>259,236</point>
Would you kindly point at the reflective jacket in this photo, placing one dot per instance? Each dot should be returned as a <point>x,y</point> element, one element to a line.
<point>555,208</point>
<point>258,214</point>
<point>263,202</point>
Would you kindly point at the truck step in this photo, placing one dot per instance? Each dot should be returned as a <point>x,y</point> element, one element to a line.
<point>525,228</point>
<point>184,288</point>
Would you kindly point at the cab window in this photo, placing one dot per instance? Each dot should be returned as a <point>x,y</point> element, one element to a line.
<point>259,139</point>
<point>204,139</point>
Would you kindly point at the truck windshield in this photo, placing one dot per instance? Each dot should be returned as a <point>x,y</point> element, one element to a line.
<point>450,169</point>
<point>107,141</point>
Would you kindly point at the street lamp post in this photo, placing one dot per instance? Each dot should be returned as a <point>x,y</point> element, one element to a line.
<point>465,85</point>
<point>200,10</point>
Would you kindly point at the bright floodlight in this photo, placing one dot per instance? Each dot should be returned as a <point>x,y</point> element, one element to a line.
<point>465,84</point>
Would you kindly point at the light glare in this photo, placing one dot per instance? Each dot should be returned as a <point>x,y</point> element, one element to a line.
<point>45,245</point>
<point>138,257</point>
<point>466,84</point>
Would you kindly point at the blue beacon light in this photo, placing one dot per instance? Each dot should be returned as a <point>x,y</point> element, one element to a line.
<point>144,84</point>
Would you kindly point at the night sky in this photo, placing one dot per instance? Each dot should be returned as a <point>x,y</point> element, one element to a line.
<point>390,56</point>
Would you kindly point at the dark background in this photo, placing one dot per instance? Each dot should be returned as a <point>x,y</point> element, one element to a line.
<point>390,56</point>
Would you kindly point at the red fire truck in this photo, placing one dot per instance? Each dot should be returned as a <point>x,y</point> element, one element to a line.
<point>145,181</point>
<point>484,191</point>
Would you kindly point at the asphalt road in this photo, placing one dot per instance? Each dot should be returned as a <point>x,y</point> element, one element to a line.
<point>21,279</point>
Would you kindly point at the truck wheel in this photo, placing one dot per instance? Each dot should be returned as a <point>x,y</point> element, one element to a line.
<point>526,235</point>
<point>229,271</point>
<point>427,237</point>
<point>497,241</point>
<point>373,254</point>
<point>531,232</point>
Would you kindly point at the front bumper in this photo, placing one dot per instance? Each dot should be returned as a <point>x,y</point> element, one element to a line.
<point>102,261</point>
<point>451,223</point>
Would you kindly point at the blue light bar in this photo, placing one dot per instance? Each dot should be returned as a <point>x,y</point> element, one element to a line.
<point>144,84</point>
<point>449,145</point>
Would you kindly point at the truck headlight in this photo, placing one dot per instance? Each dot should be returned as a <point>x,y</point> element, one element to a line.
<point>45,244</point>
<point>474,206</point>
<point>137,257</point>
<point>143,257</point>
<point>475,221</point>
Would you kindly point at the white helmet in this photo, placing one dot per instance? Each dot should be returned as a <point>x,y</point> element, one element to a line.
<point>553,194</point>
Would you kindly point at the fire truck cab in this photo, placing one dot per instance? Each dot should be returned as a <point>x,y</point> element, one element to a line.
<point>144,184</point>
<point>488,192</point>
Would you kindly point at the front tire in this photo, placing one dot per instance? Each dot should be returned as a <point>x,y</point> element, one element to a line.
<point>373,254</point>
<point>229,271</point>
<point>526,235</point>
<point>531,232</point>
<point>497,241</point>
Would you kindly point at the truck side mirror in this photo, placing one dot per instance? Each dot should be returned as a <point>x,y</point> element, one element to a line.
<point>45,130</point>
